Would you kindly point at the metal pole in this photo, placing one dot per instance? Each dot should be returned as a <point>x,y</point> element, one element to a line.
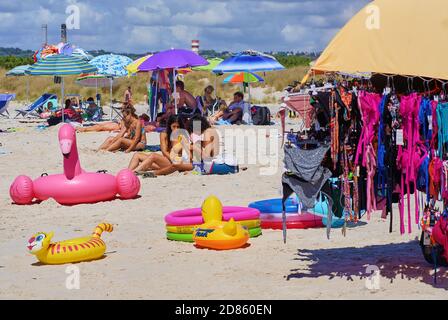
<point>110,91</point>
<point>154,111</point>
<point>62,97</point>
<point>27,89</point>
<point>174,93</point>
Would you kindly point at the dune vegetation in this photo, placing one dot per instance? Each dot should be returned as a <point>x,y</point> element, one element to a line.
<point>195,82</point>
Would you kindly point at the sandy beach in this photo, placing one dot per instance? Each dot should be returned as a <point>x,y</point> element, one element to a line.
<point>140,263</point>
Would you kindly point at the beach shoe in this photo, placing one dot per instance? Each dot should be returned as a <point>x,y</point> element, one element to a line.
<point>149,174</point>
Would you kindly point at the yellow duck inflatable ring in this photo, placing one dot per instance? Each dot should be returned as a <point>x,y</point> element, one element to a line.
<point>69,251</point>
<point>216,234</point>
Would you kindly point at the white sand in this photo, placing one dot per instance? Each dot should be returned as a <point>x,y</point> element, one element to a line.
<point>141,263</point>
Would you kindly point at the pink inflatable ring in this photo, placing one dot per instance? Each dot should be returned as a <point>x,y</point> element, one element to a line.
<point>188,217</point>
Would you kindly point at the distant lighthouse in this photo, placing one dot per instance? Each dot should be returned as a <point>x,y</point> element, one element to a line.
<point>195,46</point>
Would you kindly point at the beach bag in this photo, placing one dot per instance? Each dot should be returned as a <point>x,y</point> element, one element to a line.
<point>221,165</point>
<point>261,116</point>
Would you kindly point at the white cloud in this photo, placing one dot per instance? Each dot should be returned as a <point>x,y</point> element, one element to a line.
<point>150,25</point>
<point>218,14</point>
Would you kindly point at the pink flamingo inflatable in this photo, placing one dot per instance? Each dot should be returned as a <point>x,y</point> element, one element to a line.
<point>75,185</point>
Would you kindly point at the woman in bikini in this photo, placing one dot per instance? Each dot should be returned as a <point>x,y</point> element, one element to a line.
<point>171,159</point>
<point>132,136</point>
<point>205,139</point>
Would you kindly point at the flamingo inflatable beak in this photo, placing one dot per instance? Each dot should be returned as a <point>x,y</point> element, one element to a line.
<point>66,146</point>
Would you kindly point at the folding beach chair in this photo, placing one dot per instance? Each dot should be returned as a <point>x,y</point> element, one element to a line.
<point>210,110</point>
<point>4,101</point>
<point>32,108</point>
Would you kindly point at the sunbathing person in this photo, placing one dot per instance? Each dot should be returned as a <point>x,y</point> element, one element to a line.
<point>132,137</point>
<point>171,159</point>
<point>205,139</point>
<point>104,126</point>
<point>234,112</point>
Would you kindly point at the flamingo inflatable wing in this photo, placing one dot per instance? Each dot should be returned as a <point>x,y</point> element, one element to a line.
<point>75,185</point>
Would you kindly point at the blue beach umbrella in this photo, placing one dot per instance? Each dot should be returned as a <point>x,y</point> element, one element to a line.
<point>60,65</point>
<point>250,61</point>
<point>111,66</point>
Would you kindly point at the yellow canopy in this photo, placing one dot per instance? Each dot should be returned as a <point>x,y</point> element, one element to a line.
<point>132,68</point>
<point>399,37</point>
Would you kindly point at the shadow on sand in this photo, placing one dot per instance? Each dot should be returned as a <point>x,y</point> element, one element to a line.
<point>394,260</point>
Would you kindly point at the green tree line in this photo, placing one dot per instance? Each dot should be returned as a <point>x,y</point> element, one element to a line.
<point>9,62</point>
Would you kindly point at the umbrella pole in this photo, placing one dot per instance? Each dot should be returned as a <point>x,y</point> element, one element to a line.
<point>216,88</point>
<point>27,89</point>
<point>174,92</point>
<point>155,93</point>
<point>62,97</point>
<point>110,92</point>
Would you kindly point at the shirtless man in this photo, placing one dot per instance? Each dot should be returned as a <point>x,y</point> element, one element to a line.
<point>128,95</point>
<point>186,99</point>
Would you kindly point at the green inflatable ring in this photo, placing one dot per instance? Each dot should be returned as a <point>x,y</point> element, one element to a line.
<point>188,237</point>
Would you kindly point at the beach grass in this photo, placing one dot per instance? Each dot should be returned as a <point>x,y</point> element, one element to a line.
<point>195,82</point>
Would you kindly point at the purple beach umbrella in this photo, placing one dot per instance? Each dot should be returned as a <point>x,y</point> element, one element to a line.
<point>172,59</point>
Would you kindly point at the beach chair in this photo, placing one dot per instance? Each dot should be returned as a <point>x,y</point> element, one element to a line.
<point>210,110</point>
<point>247,114</point>
<point>38,103</point>
<point>4,101</point>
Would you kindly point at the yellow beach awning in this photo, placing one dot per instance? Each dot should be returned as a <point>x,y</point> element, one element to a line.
<point>398,37</point>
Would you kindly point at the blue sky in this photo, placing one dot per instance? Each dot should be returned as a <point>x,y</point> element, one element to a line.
<point>149,25</point>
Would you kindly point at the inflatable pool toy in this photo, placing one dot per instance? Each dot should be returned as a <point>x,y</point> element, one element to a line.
<point>181,224</point>
<point>188,237</point>
<point>249,224</point>
<point>69,251</point>
<point>216,234</point>
<point>271,215</point>
<point>75,185</point>
<point>188,217</point>
<point>291,206</point>
<point>293,221</point>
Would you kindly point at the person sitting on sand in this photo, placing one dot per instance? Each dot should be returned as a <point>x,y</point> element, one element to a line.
<point>93,112</point>
<point>171,159</point>
<point>233,113</point>
<point>207,100</point>
<point>132,136</point>
<point>205,139</point>
<point>70,114</point>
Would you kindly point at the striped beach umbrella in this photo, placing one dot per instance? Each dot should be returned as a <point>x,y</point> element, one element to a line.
<point>60,65</point>
<point>19,71</point>
<point>243,77</point>
<point>93,80</point>
<point>132,68</point>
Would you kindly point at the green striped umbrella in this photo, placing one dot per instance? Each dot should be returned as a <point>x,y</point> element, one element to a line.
<point>60,65</point>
